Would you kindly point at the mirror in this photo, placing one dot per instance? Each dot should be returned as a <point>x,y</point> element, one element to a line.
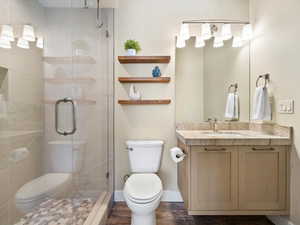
<point>203,78</point>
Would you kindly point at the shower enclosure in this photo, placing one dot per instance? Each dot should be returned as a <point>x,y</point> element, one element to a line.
<point>58,130</point>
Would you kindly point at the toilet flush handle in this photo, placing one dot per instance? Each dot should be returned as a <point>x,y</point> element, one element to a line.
<point>130,149</point>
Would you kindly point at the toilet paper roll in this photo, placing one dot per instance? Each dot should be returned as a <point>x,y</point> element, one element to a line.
<point>177,154</point>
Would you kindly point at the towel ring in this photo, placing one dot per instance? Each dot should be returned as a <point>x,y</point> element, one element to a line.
<point>235,86</point>
<point>265,77</point>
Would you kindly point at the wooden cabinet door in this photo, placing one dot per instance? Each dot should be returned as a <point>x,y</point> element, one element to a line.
<point>213,178</point>
<point>262,178</point>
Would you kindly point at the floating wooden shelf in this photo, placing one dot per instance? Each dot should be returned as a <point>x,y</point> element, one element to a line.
<point>144,79</point>
<point>70,80</point>
<point>70,60</point>
<point>144,59</point>
<point>145,102</point>
<point>79,101</point>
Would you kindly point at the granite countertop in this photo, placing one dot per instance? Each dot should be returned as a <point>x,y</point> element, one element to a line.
<point>250,135</point>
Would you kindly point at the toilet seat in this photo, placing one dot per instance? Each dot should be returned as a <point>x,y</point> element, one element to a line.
<point>143,188</point>
<point>44,186</point>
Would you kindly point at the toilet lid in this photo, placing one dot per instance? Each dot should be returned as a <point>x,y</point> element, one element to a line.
<point>143,187</point>
<point>42,186</point>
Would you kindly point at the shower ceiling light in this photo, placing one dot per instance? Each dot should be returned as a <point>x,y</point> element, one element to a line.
<point>206,31</point>
<point>218,42</point>
<point>184,32</point>
<point>7,33</point>
<point>237,42</point>
<point>5,43</point>
<point>226,32</point>
<point>40,42</point>
<point>22,43</point>
<point>200,43</point>
<point>28,33</point>
<point>180,43</point>
<point>247,33</point>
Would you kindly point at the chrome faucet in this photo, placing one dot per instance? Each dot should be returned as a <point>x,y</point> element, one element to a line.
<point>213,124</point>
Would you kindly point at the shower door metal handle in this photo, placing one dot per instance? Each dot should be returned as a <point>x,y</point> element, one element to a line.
<point>65,100</point>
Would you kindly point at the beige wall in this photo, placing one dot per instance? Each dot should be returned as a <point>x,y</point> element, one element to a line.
<point>275,49</point>
<point>155,23</point>
<point>24,93</point>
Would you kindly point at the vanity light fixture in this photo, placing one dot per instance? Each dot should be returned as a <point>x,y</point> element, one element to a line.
<point>247,33</point>
<point>184,32</point>
<point>226,32</point>
<point>28,33</point>
<point>218,42</point>
<point>7,33</point>
<point>200,43</point>
<point>40,43</point>
<point>22,43</point>
<point>5,43</point>
<point>180,43</point>
<point>237,42</point>
<point>206,31</point>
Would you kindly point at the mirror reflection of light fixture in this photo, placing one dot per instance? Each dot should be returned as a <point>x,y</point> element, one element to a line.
<point>180,43</point>
<point>226,32</point>
<point>5,43</point>
<point>40,42</point>
<point>7,33</point>
<point>200,43</point>
<point>28,33</point>
<point>184,32</point>
<point>218,42</point>
<point>237,42</point>
<point>247,32</point>
<point>22,43</point>
<point>206,31</point>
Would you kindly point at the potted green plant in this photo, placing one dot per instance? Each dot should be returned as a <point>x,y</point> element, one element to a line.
<point>132,47</point>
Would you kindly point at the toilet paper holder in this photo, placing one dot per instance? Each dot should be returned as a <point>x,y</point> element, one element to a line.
<point>180,155</point>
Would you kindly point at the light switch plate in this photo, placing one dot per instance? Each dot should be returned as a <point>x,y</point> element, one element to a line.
<point>286,106</point>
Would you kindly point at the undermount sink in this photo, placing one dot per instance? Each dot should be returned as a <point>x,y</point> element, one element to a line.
<point>222,133</point>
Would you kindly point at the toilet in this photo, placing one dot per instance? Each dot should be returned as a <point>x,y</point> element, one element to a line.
<point>65,158</point>
<point>143,189</point>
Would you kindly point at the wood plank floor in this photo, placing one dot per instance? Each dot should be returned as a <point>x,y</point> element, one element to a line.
<point>175,214</point>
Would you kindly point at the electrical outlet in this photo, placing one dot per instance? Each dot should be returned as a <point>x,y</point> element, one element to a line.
<point>286,106</point>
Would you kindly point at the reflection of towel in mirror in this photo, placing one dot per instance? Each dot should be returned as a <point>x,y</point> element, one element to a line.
<point>262,105</point>
<point>232,107</point>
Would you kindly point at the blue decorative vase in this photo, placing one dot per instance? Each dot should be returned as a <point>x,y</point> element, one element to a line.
<point>156,72</point>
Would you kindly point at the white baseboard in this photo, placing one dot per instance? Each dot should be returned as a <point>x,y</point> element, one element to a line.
<point>168,196</point>
<point>280,220</point>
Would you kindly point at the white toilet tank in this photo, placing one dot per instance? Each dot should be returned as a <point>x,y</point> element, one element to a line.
<point>144,155</point>
<point>66,156</point>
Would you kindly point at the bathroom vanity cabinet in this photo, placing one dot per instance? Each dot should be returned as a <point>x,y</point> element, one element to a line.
<point>234,179</point>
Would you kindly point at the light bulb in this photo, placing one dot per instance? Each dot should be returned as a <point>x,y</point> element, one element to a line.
<point>5,43</point>
<point>237,42</point>
<point>226,32</point>
<point>22,43</point>
<point>185,31</point>
<point>28,33</point>
<point>200,43</point>
<point>7,33</point>
<point>40,42</point>
<point>206,31</point>
<point>218,42</point>
<point>247,33</point>
<point>180,43</point>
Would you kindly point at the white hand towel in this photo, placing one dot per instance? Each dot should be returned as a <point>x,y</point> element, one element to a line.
<point>262,105</point>
<point>232,107</point>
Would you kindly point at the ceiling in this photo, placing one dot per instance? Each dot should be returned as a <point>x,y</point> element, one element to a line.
<point>78,3</point>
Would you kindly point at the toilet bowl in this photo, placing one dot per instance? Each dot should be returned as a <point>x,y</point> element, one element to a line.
<point>142,193</point>
<point>143,189</point>
<point>33,193</point>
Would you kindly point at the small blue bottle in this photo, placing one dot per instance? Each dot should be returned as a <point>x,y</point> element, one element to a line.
<point>156,72</point>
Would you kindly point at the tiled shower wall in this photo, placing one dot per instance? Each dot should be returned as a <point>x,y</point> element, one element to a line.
<point>23,91</point>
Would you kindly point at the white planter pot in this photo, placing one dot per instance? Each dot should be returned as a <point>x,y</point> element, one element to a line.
<point>131,52</point>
